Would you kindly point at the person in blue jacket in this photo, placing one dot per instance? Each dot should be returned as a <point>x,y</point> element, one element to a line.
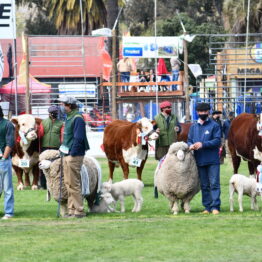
<point>205,138</point>
<point>226,127</point>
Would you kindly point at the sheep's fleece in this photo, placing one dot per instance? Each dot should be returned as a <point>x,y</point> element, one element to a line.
<point>53,175</point>
<point>177,177</point>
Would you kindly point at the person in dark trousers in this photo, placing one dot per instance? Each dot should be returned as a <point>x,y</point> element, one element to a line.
<point>226,126</point>
<point>51,130</point>
<point>73,149</point>
<point>205,138</point>
<point>6,144</point>
<point>216,116</point>
<point>167,126</point>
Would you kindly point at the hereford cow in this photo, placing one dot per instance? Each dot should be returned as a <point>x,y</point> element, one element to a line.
<point>182,136</point>
<point>26,150</point>
<point>126,143</point>
<point>243,138</point>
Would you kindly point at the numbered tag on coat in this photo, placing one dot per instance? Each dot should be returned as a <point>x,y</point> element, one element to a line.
<point>135,162</point>
<point>64,149</point>
<point>24,163</point>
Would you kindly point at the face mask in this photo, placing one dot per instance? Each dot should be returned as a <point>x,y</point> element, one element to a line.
<point>62,109</point>
<point>54,115</point>
<point>203,117</point>
<point>168,111</point>
<point>218,118</point>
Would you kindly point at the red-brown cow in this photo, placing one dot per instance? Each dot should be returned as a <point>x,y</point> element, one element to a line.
<point>182,136</point>
<point>26,150</point>
<point>126,143</point>
<point>243,138</point>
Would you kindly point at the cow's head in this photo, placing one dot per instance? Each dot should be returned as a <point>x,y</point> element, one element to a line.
<point>26,127</point>
<point>146,127</point>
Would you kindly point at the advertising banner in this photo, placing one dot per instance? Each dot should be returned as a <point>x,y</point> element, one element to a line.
<point>152,47</point>
<point>7,19</point>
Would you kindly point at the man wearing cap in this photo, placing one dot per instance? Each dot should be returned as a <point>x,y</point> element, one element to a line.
<point>51,130</point>
<point>205,138</point>
<point>216,116</point>
<point>73,148</point>
<point>6,145</point>
<point>168,126</point>
<point>225,128</point>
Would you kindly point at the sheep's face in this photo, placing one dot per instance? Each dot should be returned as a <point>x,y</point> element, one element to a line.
<point>106,187</point>
<point>44,164</point>
<point>180,155</point>
<point>108,198</point>
<point>179,149</point>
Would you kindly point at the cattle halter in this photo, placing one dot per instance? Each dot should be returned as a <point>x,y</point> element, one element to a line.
<point>29,130</point>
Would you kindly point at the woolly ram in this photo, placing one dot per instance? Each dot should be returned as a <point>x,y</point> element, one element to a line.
<point>177,177</point>
<point>50,163</point>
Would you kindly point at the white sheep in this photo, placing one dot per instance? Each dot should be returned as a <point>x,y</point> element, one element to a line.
<point>124,188</point>
<point>50,163</point>
<point>104,206</point>
<point>243,185</point>
<point>177,177</point>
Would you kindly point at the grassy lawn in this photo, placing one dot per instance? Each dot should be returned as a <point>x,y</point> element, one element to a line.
<point>154,234</point>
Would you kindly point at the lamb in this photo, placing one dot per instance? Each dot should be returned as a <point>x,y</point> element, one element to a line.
<point>50,163</point>
<point>243,186</point>
<point>104,206</point>
<point>124,188</point>
<point>177,177</point>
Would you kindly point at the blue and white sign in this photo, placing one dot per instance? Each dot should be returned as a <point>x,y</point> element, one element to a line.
<point>7,19</point>
<point>152,47</point>
<point>78,90</point>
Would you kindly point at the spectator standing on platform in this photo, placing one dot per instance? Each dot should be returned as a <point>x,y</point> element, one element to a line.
<point>51,130</point>
<point>175,65</point>
<point>124,66</point>
<point>168,126</point>
<point>204,138</point>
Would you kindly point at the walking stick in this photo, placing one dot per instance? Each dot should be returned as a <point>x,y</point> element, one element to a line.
<point>60,188</point>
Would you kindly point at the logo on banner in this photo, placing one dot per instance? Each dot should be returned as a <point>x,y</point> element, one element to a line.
<point>133,51</point>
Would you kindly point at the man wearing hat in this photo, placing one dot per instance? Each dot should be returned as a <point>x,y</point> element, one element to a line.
<point>205,138</point>
<point>216,116</point>
<point>6,145</point>
<point>73,148</point>
<point>226,127</point>
<point>51,130</point>
<point>168,126</point>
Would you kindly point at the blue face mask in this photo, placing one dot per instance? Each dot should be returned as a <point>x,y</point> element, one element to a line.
<point>62,109</point>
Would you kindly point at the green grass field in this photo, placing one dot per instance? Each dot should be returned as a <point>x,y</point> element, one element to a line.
<point>154,234</point>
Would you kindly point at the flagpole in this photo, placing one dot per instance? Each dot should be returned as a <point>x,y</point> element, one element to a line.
<point>156,56</point>
<point>15,74</point>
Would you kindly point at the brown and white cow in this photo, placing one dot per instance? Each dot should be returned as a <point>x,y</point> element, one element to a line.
<point>243,138</point>
<point>26,150</point>
<point>126,143</point>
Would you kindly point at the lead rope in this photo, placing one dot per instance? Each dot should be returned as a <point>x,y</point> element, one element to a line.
<point>60,189</point>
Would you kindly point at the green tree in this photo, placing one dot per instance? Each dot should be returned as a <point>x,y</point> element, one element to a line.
<point>235,16</point>
<point>198,49</point>
<point>66,14</point>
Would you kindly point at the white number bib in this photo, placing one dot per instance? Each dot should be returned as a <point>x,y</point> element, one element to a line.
<point>24,163</point>
<point>135,162</point>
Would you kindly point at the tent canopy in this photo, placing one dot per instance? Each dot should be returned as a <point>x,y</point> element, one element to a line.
<point>35,87</point>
